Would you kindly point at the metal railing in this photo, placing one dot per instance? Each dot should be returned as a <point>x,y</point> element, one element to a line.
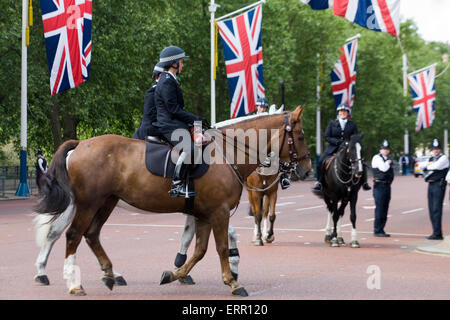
<point>10,179</point>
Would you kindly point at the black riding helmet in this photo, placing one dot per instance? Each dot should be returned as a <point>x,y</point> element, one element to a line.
<point>263,102</point>
<point>171,55</point>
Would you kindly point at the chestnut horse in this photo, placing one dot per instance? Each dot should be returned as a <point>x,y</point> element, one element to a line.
<point>87,178</point>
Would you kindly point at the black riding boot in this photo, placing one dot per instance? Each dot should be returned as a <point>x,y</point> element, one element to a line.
<point>285,181</point>
<point>179,188</point>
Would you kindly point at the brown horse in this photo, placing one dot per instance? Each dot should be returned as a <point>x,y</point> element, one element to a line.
<point>87,178</point>
<point>262,195</point>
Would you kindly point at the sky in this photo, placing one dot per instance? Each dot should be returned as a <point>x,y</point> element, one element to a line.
<point>431,17</point>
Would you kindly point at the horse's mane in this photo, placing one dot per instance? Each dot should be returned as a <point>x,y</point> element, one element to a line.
<point>248,119</point>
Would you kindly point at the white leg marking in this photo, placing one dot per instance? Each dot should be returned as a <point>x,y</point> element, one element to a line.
<point>72,273</point>
<point>232,244</point>
<point>328,227</point>
<point>188,234</point>
<point>354,235</point>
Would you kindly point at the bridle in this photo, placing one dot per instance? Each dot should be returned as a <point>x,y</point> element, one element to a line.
<point>285,167</point>
<point>353,168</point>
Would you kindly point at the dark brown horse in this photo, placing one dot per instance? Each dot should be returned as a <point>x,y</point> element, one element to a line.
<point>87,178</point>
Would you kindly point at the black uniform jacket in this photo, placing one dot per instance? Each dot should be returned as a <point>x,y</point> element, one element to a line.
<point>335,136</point>
<point>146,128</point>
<point>170,106</point>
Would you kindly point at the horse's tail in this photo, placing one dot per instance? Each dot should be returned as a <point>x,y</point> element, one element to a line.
<point>55,206</point>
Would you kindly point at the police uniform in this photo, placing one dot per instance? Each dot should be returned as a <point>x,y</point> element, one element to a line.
<point>171,116</point>
<point>435,174</point>
<point>383,175</point>
<point>41,167</point>
<point>170,107</point>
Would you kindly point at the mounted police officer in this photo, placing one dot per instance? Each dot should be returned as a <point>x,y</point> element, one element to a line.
<point>172,116</point>
<point>337,132</point>
<point>434,173</point>
<point>149,116</point>
<point>383,175</point>
<point>261,105</point>
<point>41,167</point>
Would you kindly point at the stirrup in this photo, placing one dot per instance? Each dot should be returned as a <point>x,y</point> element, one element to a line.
<point>178,189</point>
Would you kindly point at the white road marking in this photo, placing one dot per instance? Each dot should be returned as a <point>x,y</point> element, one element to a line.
<point>309,208</point>
<point>368,207</point>
<point>281,204</point>
<point>411,211</point>
<point>251,228</point>
<point>290,197</point>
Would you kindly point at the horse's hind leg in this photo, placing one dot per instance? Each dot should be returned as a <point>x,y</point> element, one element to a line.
<point>234,257</point>
<point>186,239</point>
<point>92,235</point>
<point>47,232</point>
<point>80,224</point>
<point>202,232</point>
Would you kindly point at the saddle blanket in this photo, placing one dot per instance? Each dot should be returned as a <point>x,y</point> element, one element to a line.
<point>160,160</point>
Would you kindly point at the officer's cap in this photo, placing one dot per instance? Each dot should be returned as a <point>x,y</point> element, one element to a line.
<point>343,106</point>
<point>436,144</point>
<point>171,55</point>
<point>263,102</point>
<point>385,145</point>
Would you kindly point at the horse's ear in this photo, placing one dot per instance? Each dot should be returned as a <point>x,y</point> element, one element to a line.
<point>362,134</point>
<point>297,113</point>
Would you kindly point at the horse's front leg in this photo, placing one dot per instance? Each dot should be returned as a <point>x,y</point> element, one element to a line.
<point>272,201</point>
<point>334,241</point>
<point>329,219</point>
<point>355,243</point>
<point>339,224</point>
<point>220,224</point>
<point>234,257</point>
<point>255,199</point>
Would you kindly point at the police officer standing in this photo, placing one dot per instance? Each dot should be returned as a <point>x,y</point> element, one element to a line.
<point>41,167</point>
<point>149,116</point>
<point>171,116</point>
<point>383,175</point>
<point>434,173</point>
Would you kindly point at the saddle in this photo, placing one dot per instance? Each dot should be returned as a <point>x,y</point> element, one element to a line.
<point>327,162</point>
<point>160,159</point>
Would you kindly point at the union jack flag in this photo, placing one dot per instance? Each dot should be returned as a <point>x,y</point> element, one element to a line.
<point>343,76</point>
<point>242,46</point>
<point>424,96</point>
<point>377,15</point>
<point>67,32</point>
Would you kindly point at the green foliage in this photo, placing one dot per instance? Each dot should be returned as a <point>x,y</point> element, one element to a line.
<point>129,35</point>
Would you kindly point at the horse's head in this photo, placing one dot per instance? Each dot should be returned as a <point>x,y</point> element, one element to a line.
<point>354,153</point>
<point>293,147</point>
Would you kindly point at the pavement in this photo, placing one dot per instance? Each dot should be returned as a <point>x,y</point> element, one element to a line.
<point>298,265</point>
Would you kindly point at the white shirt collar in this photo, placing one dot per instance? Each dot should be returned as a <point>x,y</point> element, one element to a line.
<point>342,122</point>
<point>174,76</point>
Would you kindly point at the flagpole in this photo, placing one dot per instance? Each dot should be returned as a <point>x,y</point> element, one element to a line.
<point>212,8</point>
<point>22,189</point>
<point>318,117</point>
<point>240,10</point>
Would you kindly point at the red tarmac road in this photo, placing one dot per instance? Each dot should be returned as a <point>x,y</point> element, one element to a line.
<point>298,265</point>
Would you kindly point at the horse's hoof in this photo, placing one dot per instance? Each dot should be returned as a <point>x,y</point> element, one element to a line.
<point>269,239</point>
<point>78,292</point>
<point>180,259</point>
<point>166,277</point>
<point>42,280</point>
<point>334,242</point>
<point>109,282</point>
<point>327,238</point>
<point>120,281</point>
<point>240,292</point>
<point>187,280</point>
<point>258,242</point>
<point>341,241</point>
<point>355,244</point>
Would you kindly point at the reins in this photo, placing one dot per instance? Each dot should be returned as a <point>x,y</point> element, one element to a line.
<point>352,167</point>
